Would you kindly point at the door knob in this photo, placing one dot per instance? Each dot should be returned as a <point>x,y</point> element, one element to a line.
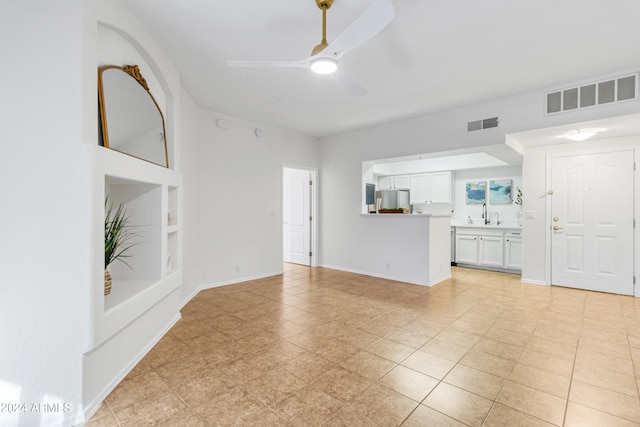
<point>556,228</point>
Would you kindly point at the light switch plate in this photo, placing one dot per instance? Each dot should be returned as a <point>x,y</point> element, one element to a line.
<point>530,214</point>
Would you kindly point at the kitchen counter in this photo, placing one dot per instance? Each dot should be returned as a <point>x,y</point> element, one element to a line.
<point>411,248</point>
<point>406,215</point>
<point>510,226</point>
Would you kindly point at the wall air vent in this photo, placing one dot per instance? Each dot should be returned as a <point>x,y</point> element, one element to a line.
<point>619,89</point>
<point>482,124</point>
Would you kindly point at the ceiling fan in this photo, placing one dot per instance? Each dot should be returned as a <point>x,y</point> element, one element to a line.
<point>325,56</point>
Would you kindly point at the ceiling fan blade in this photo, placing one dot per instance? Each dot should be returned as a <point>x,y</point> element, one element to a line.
<point>270,64</point>
<point>347,83</point>
<point>371,22</point>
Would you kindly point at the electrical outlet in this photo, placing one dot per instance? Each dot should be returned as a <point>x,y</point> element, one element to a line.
<point>530,214</point>
<point>388,266</point>
<point>237,269</point>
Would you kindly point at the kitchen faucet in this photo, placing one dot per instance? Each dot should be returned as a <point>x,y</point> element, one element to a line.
<point>484,214</point>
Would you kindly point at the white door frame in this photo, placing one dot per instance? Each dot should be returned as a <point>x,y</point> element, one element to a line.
<point>636,204</point>
<point>313,261</point>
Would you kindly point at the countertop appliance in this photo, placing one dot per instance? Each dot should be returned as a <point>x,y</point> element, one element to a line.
<point>390,199</point>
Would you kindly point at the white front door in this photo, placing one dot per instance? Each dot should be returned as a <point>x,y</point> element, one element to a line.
<point>297,216</point>
<point>592,221</point>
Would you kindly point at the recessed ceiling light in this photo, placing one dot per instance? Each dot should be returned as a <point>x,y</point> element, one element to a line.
<point>582,134</point>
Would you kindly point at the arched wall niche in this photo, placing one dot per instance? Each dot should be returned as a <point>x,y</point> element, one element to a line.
<point>118,47</point>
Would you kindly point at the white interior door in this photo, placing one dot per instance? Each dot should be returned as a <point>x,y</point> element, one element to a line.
<point>592,221</point>
<point>297,216</point>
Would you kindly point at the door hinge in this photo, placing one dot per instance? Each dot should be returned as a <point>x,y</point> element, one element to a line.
<point>310,182</point>
<point>310,218</point>
<point>634,280</point>
<point>310,254</point>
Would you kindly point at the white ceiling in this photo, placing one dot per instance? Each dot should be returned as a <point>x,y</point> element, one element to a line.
<point>435,55</point>
<point>613,127</point>
<point>473,158</point>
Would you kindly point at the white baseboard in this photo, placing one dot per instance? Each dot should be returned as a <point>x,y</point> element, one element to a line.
<point>381,276</point>
<point>197,290</point>
<point>238,280</point>
<point>440,279</point>
<point>91,408</point>
<point>190,296</point>
<point>534,282</point>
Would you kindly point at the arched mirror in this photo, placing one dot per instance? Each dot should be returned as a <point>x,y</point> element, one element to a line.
<point>131,120</point>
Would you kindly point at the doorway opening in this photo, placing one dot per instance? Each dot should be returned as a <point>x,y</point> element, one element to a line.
<point>299,212</point>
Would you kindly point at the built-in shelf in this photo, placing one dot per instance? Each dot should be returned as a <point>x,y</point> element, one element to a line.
<point>142,202</point>
<point>123,290</point>
<point>173,230</point>
<point>173,213</point>
<point>172,253</point>
<point>149,193</point>
<point>145,300</point>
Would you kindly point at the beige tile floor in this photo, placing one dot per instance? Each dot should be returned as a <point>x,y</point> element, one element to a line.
<point>324,347</point>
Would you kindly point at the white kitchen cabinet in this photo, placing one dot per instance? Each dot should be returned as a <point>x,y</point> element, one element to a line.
<point>401,181</point>
<point>491,248</point>
<point>385,182</point>
<point>391,182</point>
<point>431,188</point>
<point>466,249</point>
<point>513,250</point>
<point>440,187</point>
<point>418,189</point>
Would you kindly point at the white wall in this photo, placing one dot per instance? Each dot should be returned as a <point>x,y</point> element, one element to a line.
<point>239,198</point>
<point>394,247</point>
<point>114,49</point>
<point>535,235</point>
<point>122,40</point>
<point>342,227</point>
<point>232,195</point>
<point>191,139</point>
<point>45,210</point>
<point>507,212</point>
<point>342,156</point>
<point>49,113</point>
<point>232,198</point>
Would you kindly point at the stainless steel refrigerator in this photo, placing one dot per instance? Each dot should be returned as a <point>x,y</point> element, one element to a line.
<point>391,199</point>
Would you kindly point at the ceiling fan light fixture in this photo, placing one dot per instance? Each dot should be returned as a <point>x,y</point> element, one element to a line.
<point>324,66</point>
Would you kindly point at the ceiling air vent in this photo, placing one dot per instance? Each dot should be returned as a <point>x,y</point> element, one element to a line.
<point>482,124</point>
<point>619,89</point>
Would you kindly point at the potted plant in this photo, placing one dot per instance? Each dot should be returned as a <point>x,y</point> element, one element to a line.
<point>393,211</point>
<point>117,239</point>
<point>518,202</point>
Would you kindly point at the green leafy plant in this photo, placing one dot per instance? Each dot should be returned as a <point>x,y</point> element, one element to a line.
<point>518,200</point>
<point>118,235</point>
<point>391,210</point>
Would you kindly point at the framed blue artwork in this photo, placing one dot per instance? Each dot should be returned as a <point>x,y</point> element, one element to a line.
<point>500,192</point>
<point>476,192</point>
